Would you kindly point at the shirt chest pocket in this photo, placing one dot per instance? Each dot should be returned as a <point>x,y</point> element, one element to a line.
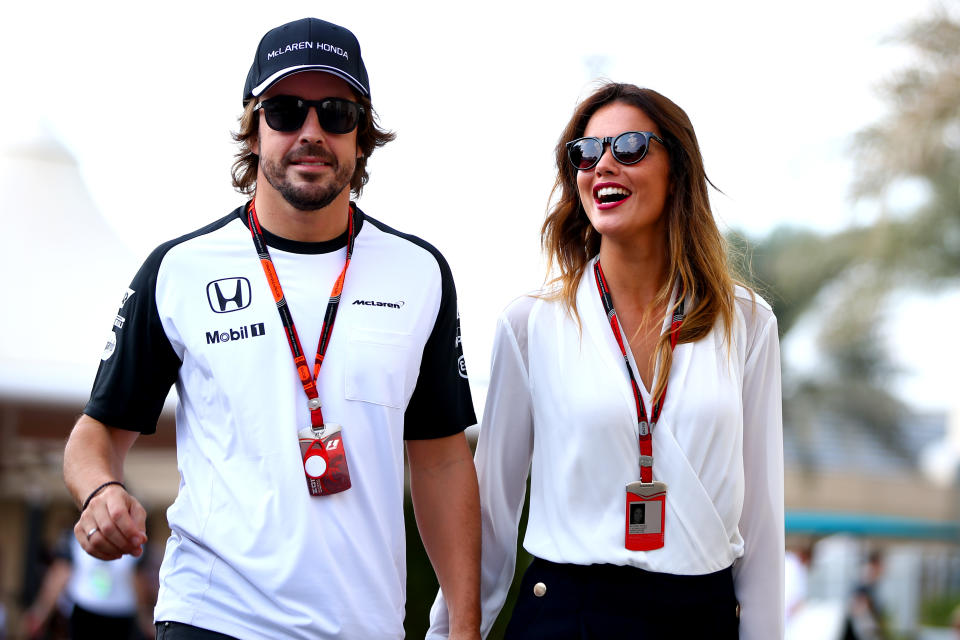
<point>378,367</point>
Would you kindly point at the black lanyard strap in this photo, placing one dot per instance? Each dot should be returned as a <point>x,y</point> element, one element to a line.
<point>644,426</point>
<point>307,378</point>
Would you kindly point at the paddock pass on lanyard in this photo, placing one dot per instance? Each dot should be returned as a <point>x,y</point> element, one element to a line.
<point>321,444</point>
<point>645,511</point>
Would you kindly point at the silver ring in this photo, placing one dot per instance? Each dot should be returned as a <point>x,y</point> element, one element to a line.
<point>91,532</point>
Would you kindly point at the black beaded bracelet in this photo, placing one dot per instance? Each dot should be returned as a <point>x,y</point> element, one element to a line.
<point>94,493</point>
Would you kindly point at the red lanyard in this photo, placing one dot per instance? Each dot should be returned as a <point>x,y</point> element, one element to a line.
<point>645,427</point>
<point>307,379</point>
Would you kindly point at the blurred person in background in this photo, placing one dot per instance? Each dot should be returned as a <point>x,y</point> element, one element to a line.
<point>106,599</point>
<point>652,514</point>
<point>865,615</point>
<point>289,519</point>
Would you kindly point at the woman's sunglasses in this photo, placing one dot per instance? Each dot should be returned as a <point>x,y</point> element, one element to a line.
<point>288,113</point>
<point>630,147</point>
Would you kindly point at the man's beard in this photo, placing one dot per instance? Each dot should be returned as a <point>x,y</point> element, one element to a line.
<point>308,196</point>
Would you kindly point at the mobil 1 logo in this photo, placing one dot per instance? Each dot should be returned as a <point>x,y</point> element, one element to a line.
<point>233,335</point>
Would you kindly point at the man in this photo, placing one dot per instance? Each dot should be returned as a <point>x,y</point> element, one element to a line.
<point>105,599</point>
<point>289,520</point>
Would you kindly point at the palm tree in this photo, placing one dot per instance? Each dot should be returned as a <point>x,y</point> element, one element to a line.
<point>919,141</point>
<point>847,276</point>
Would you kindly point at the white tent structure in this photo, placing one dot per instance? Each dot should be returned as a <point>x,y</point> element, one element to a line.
<point>63,274</point>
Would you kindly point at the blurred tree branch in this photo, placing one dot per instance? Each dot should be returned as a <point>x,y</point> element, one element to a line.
<point>918,140</point>
<point>847,276</point>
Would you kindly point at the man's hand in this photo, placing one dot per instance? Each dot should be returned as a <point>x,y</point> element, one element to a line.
<point>113,524</point>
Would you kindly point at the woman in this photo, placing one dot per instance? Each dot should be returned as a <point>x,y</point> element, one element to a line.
<point>652,514</point>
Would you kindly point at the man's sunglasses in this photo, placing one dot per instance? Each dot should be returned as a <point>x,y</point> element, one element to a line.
<point>288,113</point>
<point>630,147</point>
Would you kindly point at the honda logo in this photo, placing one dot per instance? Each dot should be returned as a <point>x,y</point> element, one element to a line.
<point>228,294</point>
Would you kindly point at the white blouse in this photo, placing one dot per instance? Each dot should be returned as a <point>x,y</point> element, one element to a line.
<point>561,398</point>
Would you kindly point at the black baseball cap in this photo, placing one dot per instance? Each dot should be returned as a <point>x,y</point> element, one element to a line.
<point>309,44</point>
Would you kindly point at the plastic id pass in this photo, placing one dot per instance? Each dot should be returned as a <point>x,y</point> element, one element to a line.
<point>646,502</point>
<point>324,459</point>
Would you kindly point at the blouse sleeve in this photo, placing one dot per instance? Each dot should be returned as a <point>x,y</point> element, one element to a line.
<point>758,575</point>
<point>503,455</point>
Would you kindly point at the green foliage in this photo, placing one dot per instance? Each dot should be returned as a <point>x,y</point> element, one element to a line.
<point>797,270</point>
<point>847,276</point>
<point>919,136</point>
<point>422,582</point>
<point>791,265</point>
<point>939,612</point>
<point>919,140</point>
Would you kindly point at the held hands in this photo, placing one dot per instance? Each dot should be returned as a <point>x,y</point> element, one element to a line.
<point>113,524</point>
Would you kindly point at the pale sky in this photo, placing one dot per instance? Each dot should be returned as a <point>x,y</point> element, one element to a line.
<point>145,96</point>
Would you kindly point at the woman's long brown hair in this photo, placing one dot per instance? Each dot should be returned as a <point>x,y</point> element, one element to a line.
<point>697,256</point>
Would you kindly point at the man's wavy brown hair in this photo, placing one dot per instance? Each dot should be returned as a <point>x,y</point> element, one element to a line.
<point>244,171</point>
<point>696,251</point>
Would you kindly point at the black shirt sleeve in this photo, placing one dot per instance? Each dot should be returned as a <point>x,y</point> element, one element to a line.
<point>138,365</point>
<point>441,404</point>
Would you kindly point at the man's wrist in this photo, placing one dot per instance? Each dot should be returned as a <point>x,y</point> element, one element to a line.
<point>96,492</point>
<point>472,633</point>
<point>465,624</point>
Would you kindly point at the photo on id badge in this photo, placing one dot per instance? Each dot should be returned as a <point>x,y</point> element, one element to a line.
<point>644,519</point>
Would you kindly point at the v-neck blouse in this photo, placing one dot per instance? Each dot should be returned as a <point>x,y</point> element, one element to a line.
<point>560,406</point>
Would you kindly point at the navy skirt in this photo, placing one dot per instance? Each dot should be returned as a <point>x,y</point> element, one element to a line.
<point>579,602</point>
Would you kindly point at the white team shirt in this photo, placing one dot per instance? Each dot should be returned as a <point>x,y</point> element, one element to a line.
<point>251,553</point>
<point>560,400</point>
<point>106,588</point>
